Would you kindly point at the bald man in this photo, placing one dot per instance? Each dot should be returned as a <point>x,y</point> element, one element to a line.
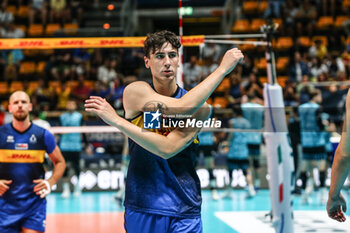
<point>23,187</point>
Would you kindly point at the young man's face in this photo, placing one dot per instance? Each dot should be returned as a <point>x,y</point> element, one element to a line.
<point>20,106</point>
<point>163,62</point>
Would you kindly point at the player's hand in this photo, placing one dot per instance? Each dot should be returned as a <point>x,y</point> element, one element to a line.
<point>230,60</point>
<point>4,186</point>
<point>43,187</point>
<point>336,208</point>
<point>102,108</point>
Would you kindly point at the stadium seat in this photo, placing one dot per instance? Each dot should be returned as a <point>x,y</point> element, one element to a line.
<point>248,47</point>
<point>27,67</point>
<point>16,86</point>
<point>71,28</point>
<point>241,25</point>
<point>72,83</point>
<point>324,22</point>
<point>284,43</point>
<point>340,20</point>
<point>35,30</point>
<point>256,24</point>
<point>261,63</point>
<point>282,80</point>
<point>281,64</point>
<point>89,83</point>
<point>250,7</point>
<point>33,85</point>
<point>3,88</point>
<point>346,4</point>
<point>52,28</point>
<point>304,41</point>
<point>220,102</point>
<point>23,12</point>
<point>40,67</point>
<point>263,5</point>
<point>323,38</point>
<point>263,79</point>
<point>12,9</point>
<point>54,84</point>
<point>224,85</point>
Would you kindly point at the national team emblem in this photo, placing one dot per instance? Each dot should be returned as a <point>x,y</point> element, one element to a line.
<point>32,139</point>
<point>151,120</point>
<point>21,146</point>
<point>10,139</point>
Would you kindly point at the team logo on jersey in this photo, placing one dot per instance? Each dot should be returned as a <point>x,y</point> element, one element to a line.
<point>10,138</point>
<point>151,120</point>
<point>32,139</point>
<point>21,146</point>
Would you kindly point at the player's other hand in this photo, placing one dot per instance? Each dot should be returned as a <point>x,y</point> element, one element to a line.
<point>336,208</point>
<point>230,60</point>
<point>102,108</point>
<point>4,186</point>
<point>43,188</point>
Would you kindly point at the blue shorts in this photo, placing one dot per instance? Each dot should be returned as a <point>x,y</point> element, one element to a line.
<point>17,213</point>
<point>137,222</point>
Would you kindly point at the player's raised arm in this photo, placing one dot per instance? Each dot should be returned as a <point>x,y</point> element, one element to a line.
<point>341,166</point>
<point>163,146</point>
<point>138,94</point>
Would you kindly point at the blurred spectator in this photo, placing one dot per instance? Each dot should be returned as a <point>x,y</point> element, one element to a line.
<point>235,90</point>
<point>81,92</point>
<point>106,72</point>
<point>76,8</point>
<point>318,49</point>
<point>274,9</point>
<point>247,66</point>
<point>298,68</point>
<point>38,7</point>
<point>6,17</point>
<point>289,94</point>
<point>63,95</point>
<point>306,19</point>
<point>192,73</point>
<point>117,89</point>
<point>14,57</point>
<point>211,51</point>
<point>100,89</point>
<point>254,87</point>
<point>346,59</point>
<point>81,59</point>
<point>335,65</point>
<point>208,67</point>
<point>317,67</point>
<point>289,12</point>
<point>59,11</point>
<point>61,65</point>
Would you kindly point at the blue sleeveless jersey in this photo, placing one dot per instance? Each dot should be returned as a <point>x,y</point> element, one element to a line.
<point>71,141</point>
<point>159,186</point>
<point>21,158</point>
<point>254,113</point>
<point>311,134</point>
<point>239,148</point>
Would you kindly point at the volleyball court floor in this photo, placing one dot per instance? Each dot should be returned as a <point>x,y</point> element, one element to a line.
<point>98,212</point>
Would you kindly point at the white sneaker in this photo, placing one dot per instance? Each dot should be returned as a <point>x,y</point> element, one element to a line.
<point>77,193</point>
<point>215,195</point>
<point>227,193</point>
<point>66,191</point>
<point>305,199</point>
<point>323,195</point>
<point>251,191</point>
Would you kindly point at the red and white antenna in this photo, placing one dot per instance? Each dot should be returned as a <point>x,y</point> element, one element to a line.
<point>179,77</point>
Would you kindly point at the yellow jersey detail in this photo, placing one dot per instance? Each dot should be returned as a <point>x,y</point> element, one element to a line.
<point>22,156</point>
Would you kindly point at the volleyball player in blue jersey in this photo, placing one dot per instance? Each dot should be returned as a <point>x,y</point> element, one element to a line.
<point>22,177</point>
<point>162,188</point>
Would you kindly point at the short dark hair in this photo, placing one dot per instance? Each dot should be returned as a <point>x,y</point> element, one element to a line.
<point>156,40</point>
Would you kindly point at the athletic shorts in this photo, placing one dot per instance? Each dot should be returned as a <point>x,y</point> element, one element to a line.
<point>235,164</point>
<point>137,222</point>
<point>254,149</point>
<point>314,153</point>
<point>17,213</point>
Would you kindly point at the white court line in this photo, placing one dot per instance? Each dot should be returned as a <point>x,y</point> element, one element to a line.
<point>304,221</point>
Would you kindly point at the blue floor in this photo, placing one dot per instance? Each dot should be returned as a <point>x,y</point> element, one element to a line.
<point>95,202</point>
